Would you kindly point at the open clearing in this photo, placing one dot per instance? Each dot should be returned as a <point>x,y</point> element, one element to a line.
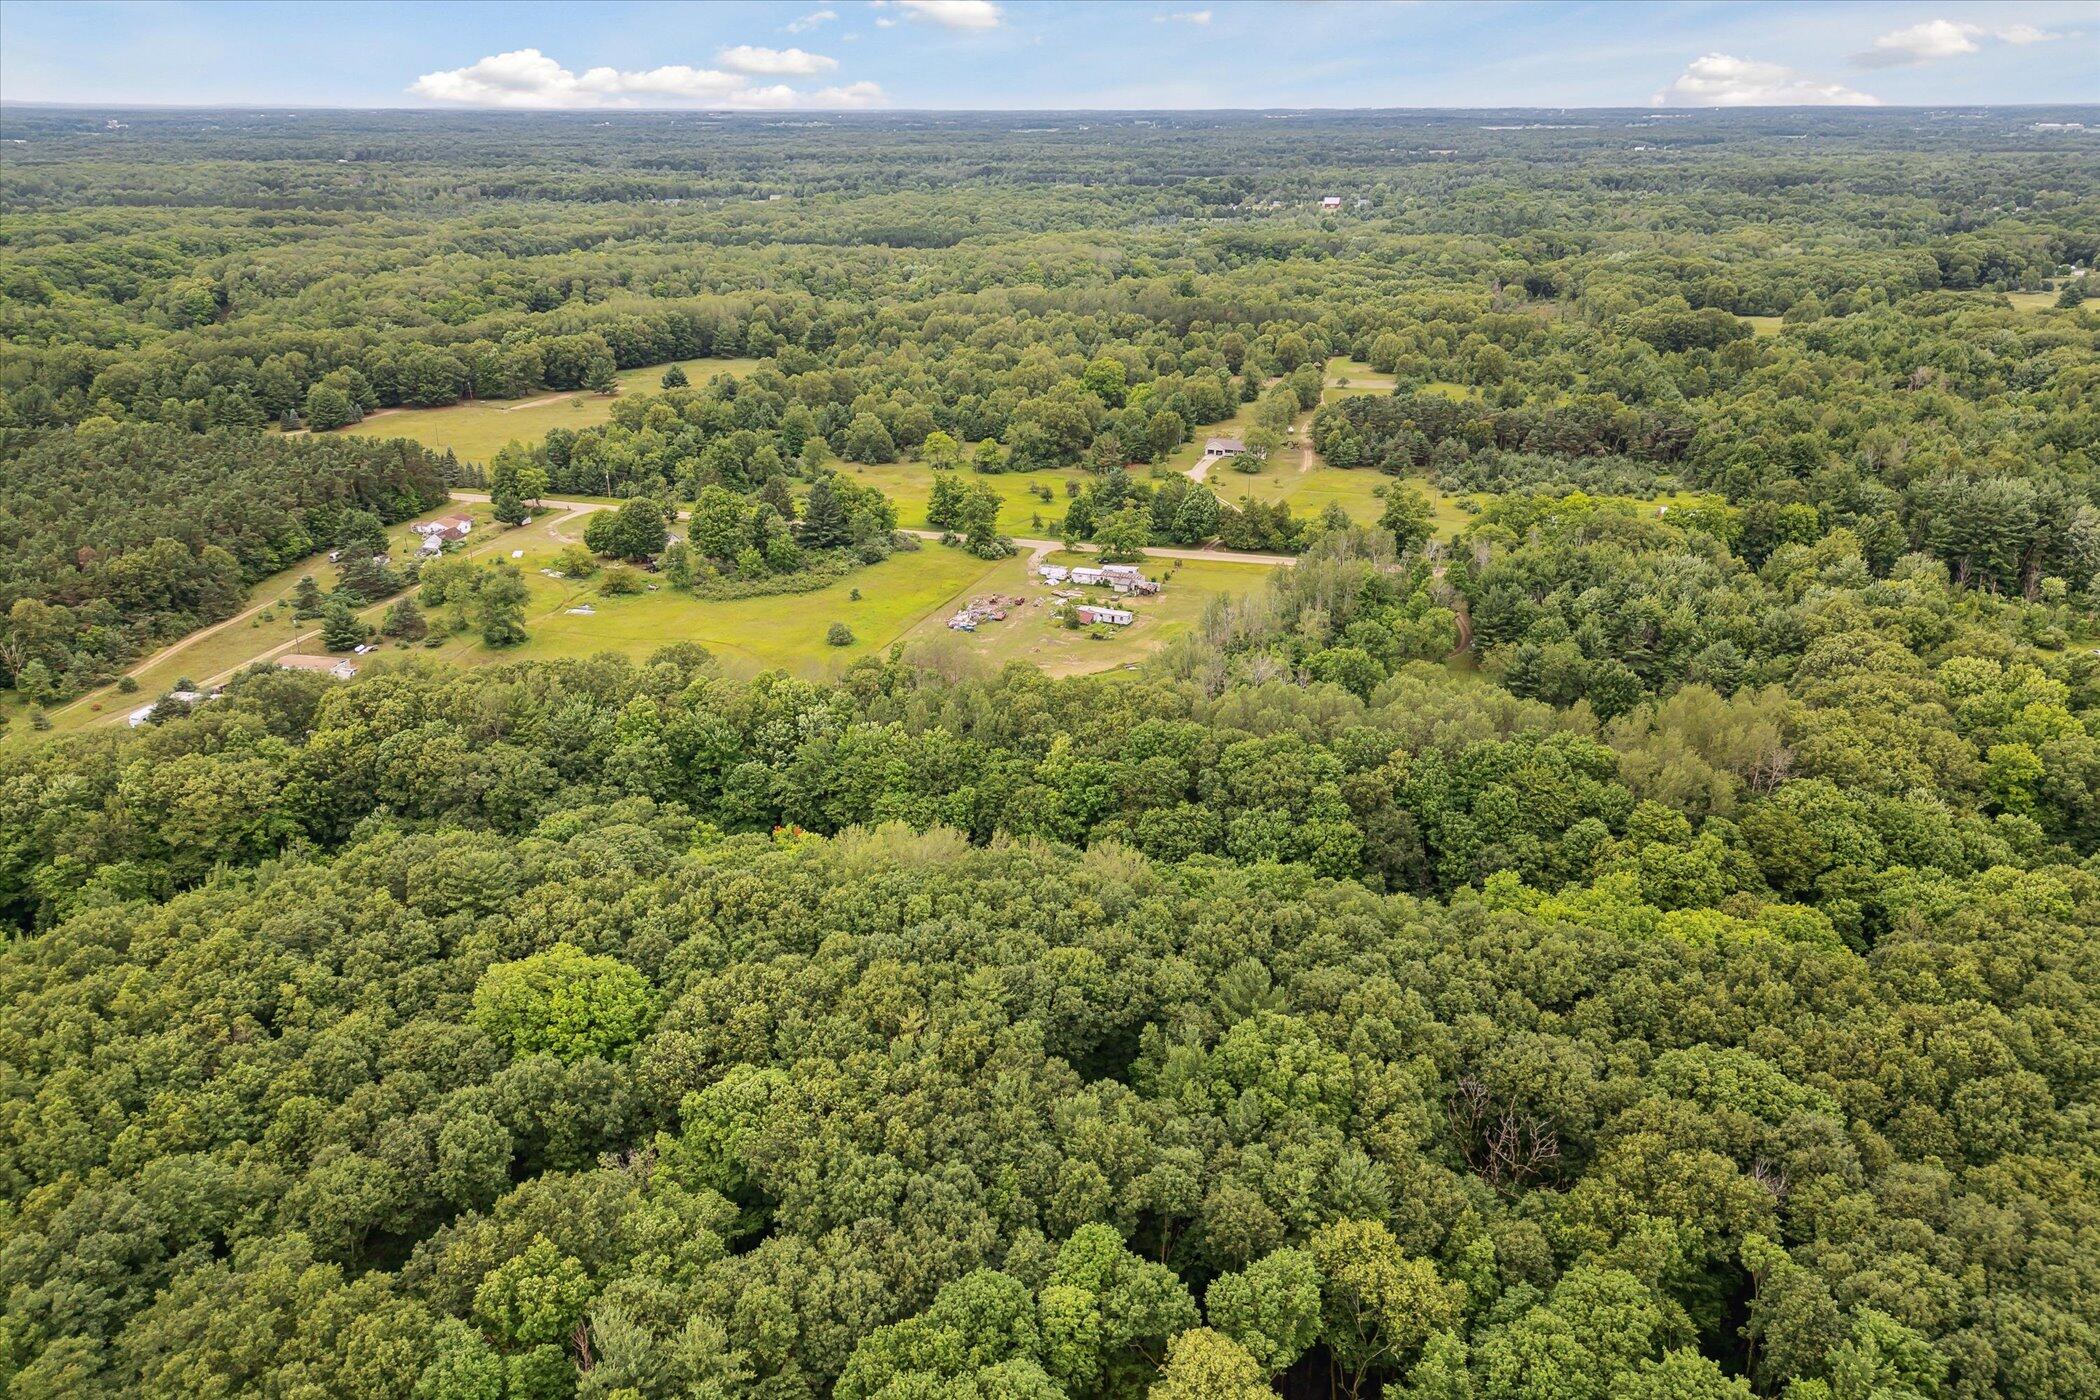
<point>1360,492</point>
<point>1022,510</point>
<point>1031,634</point>
<point>747,635</point>
<point>2032,301</point>
<point>907,597</point>
<point>477,430</point>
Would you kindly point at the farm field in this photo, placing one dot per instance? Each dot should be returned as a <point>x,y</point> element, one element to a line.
<point>1032,635</point>
<point>477,430</point>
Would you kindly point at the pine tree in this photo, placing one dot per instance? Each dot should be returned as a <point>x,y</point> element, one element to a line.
<point>307,600</point>
<point>405,621</point>
<point>674,378</point>
<point>368,580</point>
<point>340,629</point>
<point>823,519</point>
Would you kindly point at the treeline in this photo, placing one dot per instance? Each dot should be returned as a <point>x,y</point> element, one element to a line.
<point>1720,715</point>
<point>118,537</point>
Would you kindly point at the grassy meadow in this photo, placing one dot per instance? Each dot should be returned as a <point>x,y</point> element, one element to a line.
<point>478,429</point>
<point>747,635</point>
<point>910,485</point>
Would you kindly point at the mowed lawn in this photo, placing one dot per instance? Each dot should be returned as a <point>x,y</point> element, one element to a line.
<point>1032,634</point>
<point>746,635</point>
<point>1354,376</point>
<point>476,431</point>
<point>1184,457</point>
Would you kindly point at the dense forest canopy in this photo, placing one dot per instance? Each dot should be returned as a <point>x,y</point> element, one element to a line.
<point>1589,950</point>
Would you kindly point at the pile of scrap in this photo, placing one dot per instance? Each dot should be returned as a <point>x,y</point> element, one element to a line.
<point>987,609</point>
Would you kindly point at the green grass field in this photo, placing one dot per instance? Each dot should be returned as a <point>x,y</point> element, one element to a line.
<point>910,484</point>
<point>747,635</point>
<point>1360,493</point>
<point>1348,376</point>
<point>2031,301</point>
<point>1764,325</point>
<point>477,430</point>
<point>1031,634</point>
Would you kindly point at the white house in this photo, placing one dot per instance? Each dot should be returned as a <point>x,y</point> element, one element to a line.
<point>1114,617</point>
<point>1086,575</point>
<point>1333,201</point>
<point>1054,573</point>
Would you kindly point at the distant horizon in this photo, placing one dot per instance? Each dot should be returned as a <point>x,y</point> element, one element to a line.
<point>824,113</point>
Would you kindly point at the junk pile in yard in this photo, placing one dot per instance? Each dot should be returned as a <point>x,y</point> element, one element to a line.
<point>990,608</point>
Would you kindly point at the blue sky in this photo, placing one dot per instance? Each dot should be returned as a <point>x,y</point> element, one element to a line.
<point>1028,55</point>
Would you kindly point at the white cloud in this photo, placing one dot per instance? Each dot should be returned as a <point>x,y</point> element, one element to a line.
<point>1935,39</point>
<point>860,94</point>
<point>1184,17</point>
<point>811,21</point>
<point>1719,80</point>
<point>746,58</point>
<point>528,78</point>
<point>948,14</point>
<point>1921,43</point>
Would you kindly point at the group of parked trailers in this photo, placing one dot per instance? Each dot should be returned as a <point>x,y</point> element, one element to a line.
<point>1123,578</point>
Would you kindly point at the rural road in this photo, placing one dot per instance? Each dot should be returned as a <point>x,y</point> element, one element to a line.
<point>1041,547</point>
<point>1033,546</point>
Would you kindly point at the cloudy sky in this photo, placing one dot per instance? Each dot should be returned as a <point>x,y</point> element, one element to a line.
<point>1029,55</point>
